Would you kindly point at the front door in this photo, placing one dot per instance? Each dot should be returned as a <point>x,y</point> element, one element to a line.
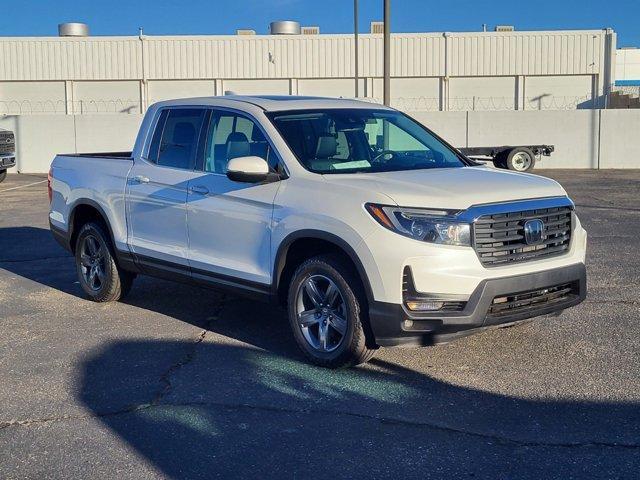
<point>229,223</point>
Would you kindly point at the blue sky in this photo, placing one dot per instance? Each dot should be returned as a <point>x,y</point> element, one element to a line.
<point>119,17</point>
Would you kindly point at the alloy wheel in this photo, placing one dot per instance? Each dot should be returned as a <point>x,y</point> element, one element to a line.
<point>321,313</point>
<point>92,263</point>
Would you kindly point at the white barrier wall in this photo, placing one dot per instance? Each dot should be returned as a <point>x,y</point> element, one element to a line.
<point>574,133</point>
<point>582,138</point>
<point>452,126</point>
<point>40,137</point>
<point>620,139</point>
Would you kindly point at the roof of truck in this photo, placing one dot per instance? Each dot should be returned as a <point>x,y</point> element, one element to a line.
<point>274,103</point>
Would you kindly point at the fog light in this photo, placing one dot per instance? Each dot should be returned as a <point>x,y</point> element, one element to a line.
<point>424,305</point>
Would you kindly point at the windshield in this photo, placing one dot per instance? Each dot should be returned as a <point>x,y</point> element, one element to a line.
<point>361,140</point>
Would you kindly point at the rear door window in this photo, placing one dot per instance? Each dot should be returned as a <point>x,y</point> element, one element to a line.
<point>175,140</point>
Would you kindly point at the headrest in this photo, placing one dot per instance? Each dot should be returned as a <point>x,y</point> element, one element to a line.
<point>237,145</point>
<point>184,133</point>
<point>327,146</point>
<point>237,137</point>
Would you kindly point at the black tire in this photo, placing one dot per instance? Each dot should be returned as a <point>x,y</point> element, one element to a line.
<point>500,160</point>
<point>3,175</point>
<point>521,159</point>
<point>356,346</point>
<point>115,283</point>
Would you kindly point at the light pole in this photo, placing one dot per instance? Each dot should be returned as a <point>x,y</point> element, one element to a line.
<point>355,38</point>
<point>386,84</point>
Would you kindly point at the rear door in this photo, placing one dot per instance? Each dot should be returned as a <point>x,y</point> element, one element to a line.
<point>157,189</point>
<point>229,223</point>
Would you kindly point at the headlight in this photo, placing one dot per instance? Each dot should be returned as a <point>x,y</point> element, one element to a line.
<point>433,226</point>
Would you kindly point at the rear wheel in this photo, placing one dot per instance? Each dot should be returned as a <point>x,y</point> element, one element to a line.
<point>3,175</point>
<point>99,275</point>
<point>327,313</point>
<point>521,160</point>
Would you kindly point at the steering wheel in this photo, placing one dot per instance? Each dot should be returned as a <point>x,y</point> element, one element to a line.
<point>382,153</point>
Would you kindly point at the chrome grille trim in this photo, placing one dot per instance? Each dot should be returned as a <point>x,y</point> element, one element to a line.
<point>7,142</point>
<point>498,236</point>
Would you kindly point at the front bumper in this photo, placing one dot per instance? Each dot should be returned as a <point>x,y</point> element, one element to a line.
<point>393,324</point>
<point>7,161</point>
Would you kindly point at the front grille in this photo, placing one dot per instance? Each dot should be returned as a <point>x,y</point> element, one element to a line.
<point>532,299</point>
<point>499,239</point>
<point>7,142</point>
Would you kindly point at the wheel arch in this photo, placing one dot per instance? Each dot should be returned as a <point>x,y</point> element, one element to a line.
<point>318,242</point>
<point>85,210</point>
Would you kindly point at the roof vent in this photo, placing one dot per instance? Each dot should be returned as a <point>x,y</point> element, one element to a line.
<point>377,27</point>
<point>505,28</point>
<point>73,29</point>
<point>310,30</point>
<point>284,27</point>
<point>245,31</point>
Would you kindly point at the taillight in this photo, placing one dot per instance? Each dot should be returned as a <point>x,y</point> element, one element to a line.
<point>49,189</point>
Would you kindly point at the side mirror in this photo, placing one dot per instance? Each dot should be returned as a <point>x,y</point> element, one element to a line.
<point>248,169</point>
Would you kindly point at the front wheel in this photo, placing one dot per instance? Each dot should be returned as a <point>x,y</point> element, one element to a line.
<point>3,175</point>
<point>99,275</point>
<point>327,313</point>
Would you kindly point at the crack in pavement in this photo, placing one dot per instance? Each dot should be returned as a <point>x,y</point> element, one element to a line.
<point>13,260</point>
<point>165,378</point>
<point>392,421</point>
<point>164,381</point>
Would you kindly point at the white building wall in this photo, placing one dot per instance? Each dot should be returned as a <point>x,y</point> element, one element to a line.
<point>32,97</point>
<point>557,92</point>
<point>158,90</point>
<point>254,87</point>
<point>482,93</point>
<point>300,56</point>
<point>331,87</point>
<point>628,64</point>
<point>106,97</point>
<point>478,64</point>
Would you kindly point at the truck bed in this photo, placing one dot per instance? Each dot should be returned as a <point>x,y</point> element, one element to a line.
<point>100,178</point>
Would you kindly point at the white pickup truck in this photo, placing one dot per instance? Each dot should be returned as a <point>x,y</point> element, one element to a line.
<point>372,230</point>
<point>7,152</point>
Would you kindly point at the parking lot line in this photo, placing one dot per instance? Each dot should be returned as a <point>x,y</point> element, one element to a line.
<point>22,186</point>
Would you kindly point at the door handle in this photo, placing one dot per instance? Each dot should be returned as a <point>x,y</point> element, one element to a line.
<point>199,189</point>
<point>141,179</point>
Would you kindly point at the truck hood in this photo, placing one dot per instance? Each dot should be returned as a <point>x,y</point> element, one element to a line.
<point>451,188</point>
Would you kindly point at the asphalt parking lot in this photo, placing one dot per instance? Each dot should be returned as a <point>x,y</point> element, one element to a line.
<point>181,382</point>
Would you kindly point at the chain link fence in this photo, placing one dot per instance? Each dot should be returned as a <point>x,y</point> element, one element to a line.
<point>467,104</point>
<point>633,90</point>
<point>34,107</point>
